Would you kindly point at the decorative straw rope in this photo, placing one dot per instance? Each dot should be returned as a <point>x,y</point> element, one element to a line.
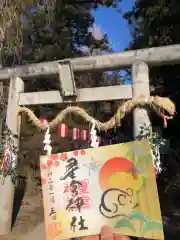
<point>158,104</point>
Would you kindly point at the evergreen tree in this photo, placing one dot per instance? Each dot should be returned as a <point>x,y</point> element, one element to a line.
<point>65,34</point>
<point>57,31</point>
<point>156,23</point>
<point>40,24</point>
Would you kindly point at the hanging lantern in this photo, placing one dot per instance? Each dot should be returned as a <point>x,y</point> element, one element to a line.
<point>84,135</point>
<point>75,133</point>
<point>63,130</point>
<point>164,120</point>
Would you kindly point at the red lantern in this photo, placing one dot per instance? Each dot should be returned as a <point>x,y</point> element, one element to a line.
<point>84,135</point>
<point>75,133</point>
<point>63,130</point>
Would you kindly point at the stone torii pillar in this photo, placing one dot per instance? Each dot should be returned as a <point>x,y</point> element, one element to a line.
<point>140,86</point>
<point>7,187</point>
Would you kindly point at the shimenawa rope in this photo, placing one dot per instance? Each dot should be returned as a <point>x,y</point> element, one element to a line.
<point>159,104</point>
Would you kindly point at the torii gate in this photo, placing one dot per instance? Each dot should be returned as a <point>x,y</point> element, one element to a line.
<point>138,60</point>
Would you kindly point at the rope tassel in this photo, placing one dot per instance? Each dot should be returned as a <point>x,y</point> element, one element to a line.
<point>164,120</point>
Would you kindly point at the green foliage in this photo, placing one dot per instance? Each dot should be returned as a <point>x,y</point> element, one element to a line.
<point>156,23</point>
<point>150,226</point>
<point>137,216</point>
<point>66,35</point>
<point>147,225</point>
<point>56,30</point>
<point>152,22</point>
<point>49,30</point>
<point>155,141</point>
<point>125,223</point>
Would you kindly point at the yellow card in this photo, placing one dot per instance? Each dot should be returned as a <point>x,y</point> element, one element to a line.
<point>114,185</point>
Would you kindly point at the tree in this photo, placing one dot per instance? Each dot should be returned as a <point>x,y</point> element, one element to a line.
<point>16,17</point>
<point>155,23</point>
<point>57,31</point>
<point>65,34</point>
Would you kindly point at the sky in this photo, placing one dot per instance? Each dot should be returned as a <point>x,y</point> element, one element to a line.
<point>109,21</point>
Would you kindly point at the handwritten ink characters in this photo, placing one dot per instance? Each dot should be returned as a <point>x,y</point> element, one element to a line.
<point>75,201</point>
<point>81,223</point>
<point>51,194</point>
<point>71,167</point>
<point>124,199</point>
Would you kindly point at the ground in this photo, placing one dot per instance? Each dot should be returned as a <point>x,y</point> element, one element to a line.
<point>30,217</point>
